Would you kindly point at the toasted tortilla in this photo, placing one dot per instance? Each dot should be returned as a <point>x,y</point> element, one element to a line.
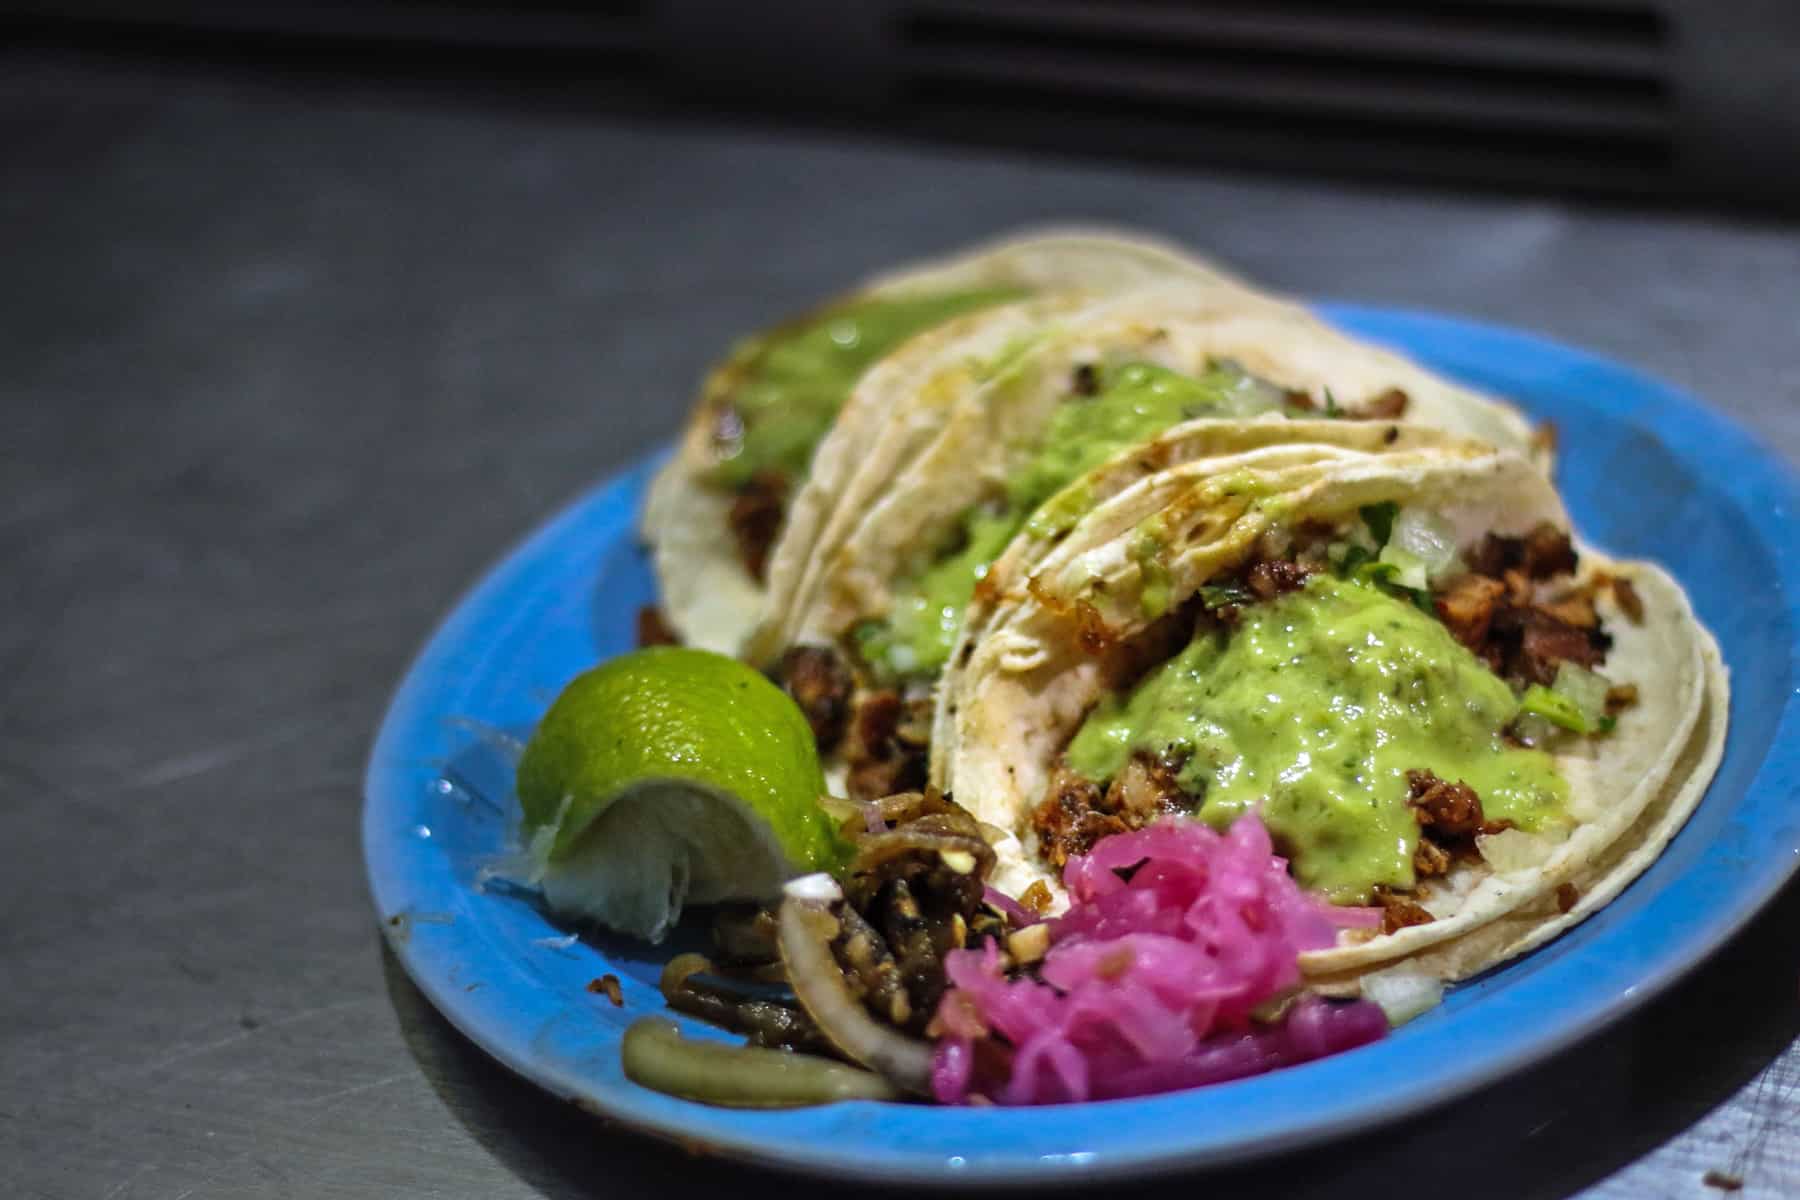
<point>1046,643</point>
<point>708,597</point>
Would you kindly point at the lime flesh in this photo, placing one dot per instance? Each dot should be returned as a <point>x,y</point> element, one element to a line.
<point>671,776</point>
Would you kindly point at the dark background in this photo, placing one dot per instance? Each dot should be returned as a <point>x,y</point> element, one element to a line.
<point>292,345</point>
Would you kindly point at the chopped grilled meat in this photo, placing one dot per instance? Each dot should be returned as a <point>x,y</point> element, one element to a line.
<point>653,628</point>
<point>1076,812</point>
<point>1628,600</point>
<point>1386,406</point>
<point>1620,697</point>
<point>1448,809</point>
<point>1548,551</point>
<point>820,682</point>
<point>1037,897</point>
<point>1145,789</point>
<point>1546,642</point>
<point>1398,912</point>
<point>755,519</point>
<point>887,747</point>
<point>1430,859</point>
<point>914,726</point>
<point>1567,894</point>
<point>1576,608</point>
<point>1072,817</point>
<point>1495,612</point>
<point>1519,590</point>
<point>1467,608</point>
<point>1541,553</point>
<point>1449,816</point>
<point>608,986</point>
<point>1274,576</point>
<point>1299,398</point>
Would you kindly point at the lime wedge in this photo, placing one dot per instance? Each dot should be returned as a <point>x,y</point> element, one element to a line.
<point>666,777</point>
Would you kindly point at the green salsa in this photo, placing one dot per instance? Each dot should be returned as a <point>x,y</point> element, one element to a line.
<point>1313,708</point>
<point>788,384</point>
<point>1134,402</point>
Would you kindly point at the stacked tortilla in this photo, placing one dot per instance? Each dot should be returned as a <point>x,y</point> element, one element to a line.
<point>1086,531</point>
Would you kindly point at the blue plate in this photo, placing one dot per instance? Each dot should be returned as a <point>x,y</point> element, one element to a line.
<point>1646,471</point>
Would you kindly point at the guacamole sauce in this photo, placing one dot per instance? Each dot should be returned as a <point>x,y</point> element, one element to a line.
<point>1312,709</point>
<point>1134,402</point>
<point>787,385</point>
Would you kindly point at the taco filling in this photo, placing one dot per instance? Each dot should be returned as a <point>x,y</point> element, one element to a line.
<point>1382,707</point>
<point>778,394</point>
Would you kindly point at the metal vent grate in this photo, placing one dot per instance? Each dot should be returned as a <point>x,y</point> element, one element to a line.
<point>1653,99</point>
<point>607,36</point>
<point>1431,88</point>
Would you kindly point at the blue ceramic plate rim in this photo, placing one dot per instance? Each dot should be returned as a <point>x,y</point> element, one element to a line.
<point>512,996</point>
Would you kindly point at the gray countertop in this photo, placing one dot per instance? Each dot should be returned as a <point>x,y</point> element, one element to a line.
<point>284,365</point>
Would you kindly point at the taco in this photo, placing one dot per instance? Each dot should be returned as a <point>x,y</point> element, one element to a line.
<point>717,509</point>
<point>1442,707</point>
<point>1070,412</point>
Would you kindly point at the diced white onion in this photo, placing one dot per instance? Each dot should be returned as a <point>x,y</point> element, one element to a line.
<point>1428,538</point>
<point>1513,850</point>
<point>1412,573</point>
<point>1583,688</point>
<point>1402,994</point>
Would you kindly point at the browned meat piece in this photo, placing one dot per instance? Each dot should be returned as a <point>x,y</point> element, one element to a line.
<point>1567,894</point>
<point>653,628</point>
<point>1542,553</point>
<point>1387,406</point>
<point>1273,576</point>
<point>820,682</point>
<point>881,762</point>
<point>1629,603</point>
<point>913,728</point>
<point>1576,608</point>
<point>1547,551</point>
<point>608,986</point>
<point>1620,697</point>
<point>1467,608</point>
<point>1086,380</point>
<point>1430,859</point>
<point>1072,817</point>
<point>755,519</point>
<point>883,777</point>
<point>1518,587</point>
<point>1493,554</point>
<point>1398,912</point>
<point>1076,812</point>
<point>1545,643</point>
<point>1448,810</point>
<point>1146,789</point>
<point>1300,399</point>
<point>1037,897</point>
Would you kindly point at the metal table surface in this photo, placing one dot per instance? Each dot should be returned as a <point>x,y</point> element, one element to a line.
<point>284,364</point>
